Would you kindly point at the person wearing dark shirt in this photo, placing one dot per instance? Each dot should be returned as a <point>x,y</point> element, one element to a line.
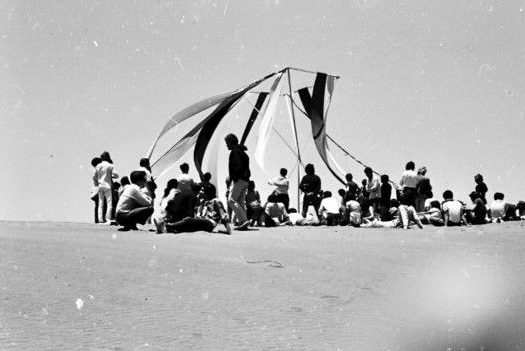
<point>478,213</point>
<point>481,187</point>
<point>239,173</point>
<point>310,185</point>
<point>352,189</point>
<point>386,194</point>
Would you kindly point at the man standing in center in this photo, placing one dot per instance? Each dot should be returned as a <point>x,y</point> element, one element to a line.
<point>239,172</point>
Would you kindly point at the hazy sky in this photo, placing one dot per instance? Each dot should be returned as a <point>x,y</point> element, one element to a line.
<point>437,82</point>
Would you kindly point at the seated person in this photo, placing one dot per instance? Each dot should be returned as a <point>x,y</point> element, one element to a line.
<point>134,206</point>
<point>329,210</point>
<point>453,214</point>
<point>253,204</point>
<point>478,213</point>
<point>500,210</point>
<point>274,213</point>
<point>433,215</point>
<point>520,210</point>
<point>353,213</point>
<point>210,215</point>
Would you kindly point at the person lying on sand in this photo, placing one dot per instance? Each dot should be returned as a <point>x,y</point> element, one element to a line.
<point>210,215</point>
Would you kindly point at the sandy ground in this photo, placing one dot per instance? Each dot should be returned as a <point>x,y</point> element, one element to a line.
<point>68,286</point>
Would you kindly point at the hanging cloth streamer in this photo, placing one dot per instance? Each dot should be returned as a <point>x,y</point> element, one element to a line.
<point>253,116</point>
<point>267,122</point>
<point>187,113</point>
<point>314,107</point>
<point>166,161</point>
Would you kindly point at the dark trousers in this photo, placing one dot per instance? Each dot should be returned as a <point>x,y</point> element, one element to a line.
<point>310,199</point>
<point>131,218</point>
<point>190,224</point>
<point>409,195</point>
<point>284,199</point>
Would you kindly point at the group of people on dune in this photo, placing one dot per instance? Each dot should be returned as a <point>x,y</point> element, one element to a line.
<point>189,206</point>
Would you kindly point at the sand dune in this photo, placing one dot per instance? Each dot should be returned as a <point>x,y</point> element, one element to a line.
<point>72,286</point>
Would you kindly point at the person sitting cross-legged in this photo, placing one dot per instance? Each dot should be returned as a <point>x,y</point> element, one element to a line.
<point>134,206</point>
<point>210,215</point>
<point>329,211</point>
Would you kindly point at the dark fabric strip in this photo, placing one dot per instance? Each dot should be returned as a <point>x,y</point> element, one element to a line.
<point>253,116</point>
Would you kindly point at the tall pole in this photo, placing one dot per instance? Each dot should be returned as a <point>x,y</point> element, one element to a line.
<point>296,139</point>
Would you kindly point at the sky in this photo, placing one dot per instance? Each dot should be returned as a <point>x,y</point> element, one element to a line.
<point>436,82</point>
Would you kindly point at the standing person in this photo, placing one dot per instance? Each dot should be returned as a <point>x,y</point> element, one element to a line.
<point>134,205</point>
<point>453,214</point>
<point>352,189</point>
<point>103,178</point>
<point>386,194</point>
<point>150,183</point>
<point>481,187</point>
<point>310,185</point>
<point>187,188</point>
<point>282,184</point>
<point>423,189</point>
<point>408,182</point>
<point>239,172</point>
<point>373,187</point>
<point>94,189</point>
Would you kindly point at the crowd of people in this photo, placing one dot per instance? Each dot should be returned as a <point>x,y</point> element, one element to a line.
<point>189,206</point>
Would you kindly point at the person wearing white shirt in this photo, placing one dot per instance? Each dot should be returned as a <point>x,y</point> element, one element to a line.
<point>408,182</point>
<point>373,187</point>
<point>134,206</point>
<point>281,184</point>
<point>452,210</point>
<point>329,209</point>
<point>103,176</point>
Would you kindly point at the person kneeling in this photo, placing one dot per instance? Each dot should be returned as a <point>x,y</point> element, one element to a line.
<point>134,206</point>
<point>210,215</point>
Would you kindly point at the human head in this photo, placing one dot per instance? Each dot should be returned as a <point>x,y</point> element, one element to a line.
<point>435,204</point>
<point>184,168</point>
<point>474,195</point>
<point>210,192</point>
<point>410,166</point>
<point>363,182</point>
<point>124,181</point>
<point>96,161</point>
<point>138,178</point>
<point>349,177</point>
<point>327,194</point>
<point>499,196</point>
<point>206,177</point>
<point>231,140</point>
<point>341,192</point>
<point>478,178</point>
<point>292,210</point>
<point>228,181</point>
<point>394,203</point>
<point>422,171</point>
<point>144,162</point>
<point>106,157</point>
<point>272,198</point>
<point>283,172</point>
<point>251,185</point>
<point>448,195</point>
<point>309,169</point>
<point>368,172</point>
<point>384,178</point>
<point>171,184</point>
